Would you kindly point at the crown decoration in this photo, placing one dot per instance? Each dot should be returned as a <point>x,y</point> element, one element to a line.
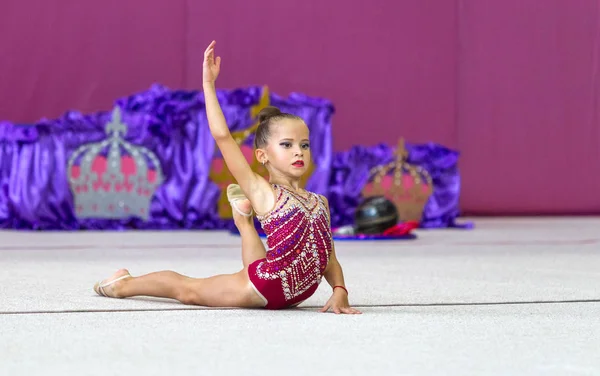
<point>409,187</point>
<point>113,178</point>
<point>220,174</point>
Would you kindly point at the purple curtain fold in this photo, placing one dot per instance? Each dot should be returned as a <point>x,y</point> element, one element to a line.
<point>172,124</point>
<point>35,191</point>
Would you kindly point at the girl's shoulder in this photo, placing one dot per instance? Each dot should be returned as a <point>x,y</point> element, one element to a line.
<point>321,198</point>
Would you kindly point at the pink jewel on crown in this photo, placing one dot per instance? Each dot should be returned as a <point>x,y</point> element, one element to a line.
<point>113,178</point>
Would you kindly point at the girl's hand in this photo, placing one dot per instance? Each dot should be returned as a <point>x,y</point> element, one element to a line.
<point>338,303</point>
<point>211,66</point>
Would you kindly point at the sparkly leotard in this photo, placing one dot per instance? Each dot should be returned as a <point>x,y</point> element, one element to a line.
<point>299,246</point>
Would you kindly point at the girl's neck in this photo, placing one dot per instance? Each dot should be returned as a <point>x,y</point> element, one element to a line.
<point>293,184</point>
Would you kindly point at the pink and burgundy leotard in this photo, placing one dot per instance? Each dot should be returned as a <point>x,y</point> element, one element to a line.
<point>299,246</point>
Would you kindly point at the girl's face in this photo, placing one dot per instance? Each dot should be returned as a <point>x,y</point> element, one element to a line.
<point>288,151</point>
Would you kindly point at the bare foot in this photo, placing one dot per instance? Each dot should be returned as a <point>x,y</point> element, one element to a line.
<point>109,289</point>
<point>245,207</point>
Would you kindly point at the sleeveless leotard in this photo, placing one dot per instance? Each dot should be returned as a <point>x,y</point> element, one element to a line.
<point>299,244</point>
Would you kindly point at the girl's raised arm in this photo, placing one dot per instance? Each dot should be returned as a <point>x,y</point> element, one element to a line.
<point>254,186</point>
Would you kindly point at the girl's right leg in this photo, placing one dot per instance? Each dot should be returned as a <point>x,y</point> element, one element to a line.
<point>230,290</point>
<point>226,290</point>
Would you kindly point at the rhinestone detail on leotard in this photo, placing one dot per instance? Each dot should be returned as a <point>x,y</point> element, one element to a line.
<point>298,239</point>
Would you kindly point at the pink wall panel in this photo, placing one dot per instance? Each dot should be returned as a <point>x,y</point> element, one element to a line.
<point>528,120</point>
<point>61,55</point>
<point>389,67</point>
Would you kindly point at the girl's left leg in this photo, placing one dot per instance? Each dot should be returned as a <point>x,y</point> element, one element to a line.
<point>226,290</point>
<point>252,247</point>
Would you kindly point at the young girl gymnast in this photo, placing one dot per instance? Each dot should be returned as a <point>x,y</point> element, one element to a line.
<point>297,224</point>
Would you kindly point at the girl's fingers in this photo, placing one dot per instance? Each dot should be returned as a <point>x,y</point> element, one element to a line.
<point>210,48</point>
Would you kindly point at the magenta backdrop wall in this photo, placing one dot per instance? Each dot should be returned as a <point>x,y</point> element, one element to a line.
<point>511,84</point>
<point>527,105</point>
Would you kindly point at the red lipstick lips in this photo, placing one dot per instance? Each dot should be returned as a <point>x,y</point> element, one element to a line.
<point>298,164</point>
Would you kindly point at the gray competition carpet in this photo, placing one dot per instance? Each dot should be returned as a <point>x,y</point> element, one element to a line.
<point>511,297</point>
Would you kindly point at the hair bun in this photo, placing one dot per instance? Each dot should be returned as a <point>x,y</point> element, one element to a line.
<point>267,113</point>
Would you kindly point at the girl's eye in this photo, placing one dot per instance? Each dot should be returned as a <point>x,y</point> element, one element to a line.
<point>286,144</point>
<point>305,146</point>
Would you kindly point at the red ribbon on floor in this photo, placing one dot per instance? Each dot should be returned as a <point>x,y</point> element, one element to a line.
<point>401,228</point>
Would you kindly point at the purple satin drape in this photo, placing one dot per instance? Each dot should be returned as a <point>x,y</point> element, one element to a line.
<point>172,124</point>
<point>34,186</point>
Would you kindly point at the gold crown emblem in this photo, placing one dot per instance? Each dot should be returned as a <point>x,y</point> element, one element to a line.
<point>408,187</point>
<point>220,174</point>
